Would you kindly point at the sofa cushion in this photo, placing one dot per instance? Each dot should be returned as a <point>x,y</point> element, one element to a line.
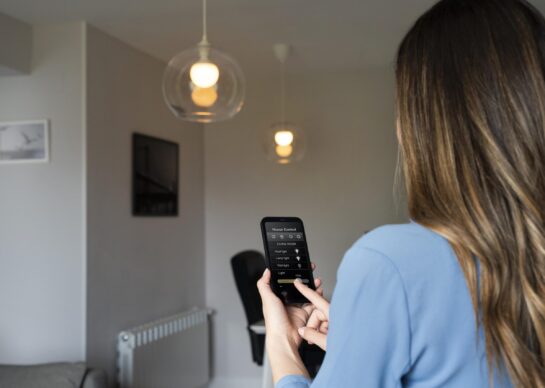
<point>59,375</point>
<point>95,378</point>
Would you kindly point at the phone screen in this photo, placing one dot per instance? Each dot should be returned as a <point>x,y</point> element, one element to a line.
<point>287,256</point>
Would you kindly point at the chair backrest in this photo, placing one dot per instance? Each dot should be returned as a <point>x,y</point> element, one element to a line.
<point>248,266</point>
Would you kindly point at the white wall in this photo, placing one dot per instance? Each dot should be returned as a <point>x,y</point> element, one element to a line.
<point>42,283</point>
<point>139,268</point>
<point>342,188</point>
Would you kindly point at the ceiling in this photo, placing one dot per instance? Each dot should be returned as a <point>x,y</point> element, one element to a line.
<point>326,35</point>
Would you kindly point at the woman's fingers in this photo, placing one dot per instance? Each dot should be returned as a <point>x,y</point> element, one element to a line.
<point>317,281</point>
<point>265,278</point>
<point>324,327</point>
<point>313,337</point>
<point>320,291</point>
<point>316,328</point>
<point>316,319</point>
<point>264,284</point>
<point>318,286</point>
<point>314,297</point>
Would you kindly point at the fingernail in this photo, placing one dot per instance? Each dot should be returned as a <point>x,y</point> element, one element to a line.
<point>301,330</point>
<point>297,280</point>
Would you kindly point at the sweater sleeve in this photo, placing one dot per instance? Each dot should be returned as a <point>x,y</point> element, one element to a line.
<point>369,337</point>
<point>293,381</point>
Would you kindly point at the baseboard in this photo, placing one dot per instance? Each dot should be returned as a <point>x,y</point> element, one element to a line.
<point>226,382</point>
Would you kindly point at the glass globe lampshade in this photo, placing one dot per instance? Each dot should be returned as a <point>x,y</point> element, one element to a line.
<point>284,143</point>
<point>203,88</point>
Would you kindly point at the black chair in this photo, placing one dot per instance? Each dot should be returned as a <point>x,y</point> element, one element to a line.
<point>248,266</point>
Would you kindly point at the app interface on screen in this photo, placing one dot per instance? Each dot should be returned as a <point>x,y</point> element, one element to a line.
<point>287,253</point>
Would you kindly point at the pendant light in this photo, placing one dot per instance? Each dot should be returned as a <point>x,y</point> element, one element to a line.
<point>203,84</point>
<point>284,141</point>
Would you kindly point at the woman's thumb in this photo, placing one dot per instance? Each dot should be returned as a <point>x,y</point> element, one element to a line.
<point>313,336</point>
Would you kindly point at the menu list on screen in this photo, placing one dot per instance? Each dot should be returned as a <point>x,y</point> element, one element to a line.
<point>288,256</point>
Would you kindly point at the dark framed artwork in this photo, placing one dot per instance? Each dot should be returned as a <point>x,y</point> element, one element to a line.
<point>155,165</point>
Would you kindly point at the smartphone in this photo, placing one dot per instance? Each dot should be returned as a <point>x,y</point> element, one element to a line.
<point>286,255</point>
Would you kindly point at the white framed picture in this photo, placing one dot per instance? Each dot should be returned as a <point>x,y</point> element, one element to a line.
<point>24,142</point>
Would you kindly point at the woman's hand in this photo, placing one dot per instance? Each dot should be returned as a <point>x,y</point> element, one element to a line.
<point>282,329</point>
<point>317,325</point>
<point>284,321</point>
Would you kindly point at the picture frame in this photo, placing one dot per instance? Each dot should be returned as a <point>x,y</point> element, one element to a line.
<point>24,142</point>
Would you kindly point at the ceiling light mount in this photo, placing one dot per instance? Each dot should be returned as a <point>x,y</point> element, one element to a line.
<point>203,84</point>
<point>281,52</point>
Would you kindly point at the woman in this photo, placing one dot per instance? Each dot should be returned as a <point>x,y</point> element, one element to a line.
<point>457,297</point>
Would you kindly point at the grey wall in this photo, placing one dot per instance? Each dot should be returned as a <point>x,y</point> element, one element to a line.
<point>138,269</point>
<point>42,282</point>
<point>342,188</point>
<point>15,46</point>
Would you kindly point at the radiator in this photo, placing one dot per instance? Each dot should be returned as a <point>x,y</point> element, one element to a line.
<point>168,353</point>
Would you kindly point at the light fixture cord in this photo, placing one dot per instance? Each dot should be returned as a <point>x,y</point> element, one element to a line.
<point>204,27</point>
<point>283,93</point>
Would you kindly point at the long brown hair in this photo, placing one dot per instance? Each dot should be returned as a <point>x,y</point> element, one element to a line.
<point>471,109</point>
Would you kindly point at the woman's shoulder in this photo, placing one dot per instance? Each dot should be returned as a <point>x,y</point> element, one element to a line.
<point>389,237</point>
<point>412,249</point>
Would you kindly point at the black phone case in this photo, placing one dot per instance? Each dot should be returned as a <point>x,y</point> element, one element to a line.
<point>274,285</point>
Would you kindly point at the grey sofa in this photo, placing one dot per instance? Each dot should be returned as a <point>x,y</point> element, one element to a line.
<point>58,375</point>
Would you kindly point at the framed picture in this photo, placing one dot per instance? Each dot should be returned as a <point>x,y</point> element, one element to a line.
<point>24,142</point>
<point>155,176</point>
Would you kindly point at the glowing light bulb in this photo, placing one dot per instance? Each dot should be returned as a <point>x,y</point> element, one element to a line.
<point>204,74</point>
<point>204,97</point>
<point>284,151</point>
<point>284,138</point>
